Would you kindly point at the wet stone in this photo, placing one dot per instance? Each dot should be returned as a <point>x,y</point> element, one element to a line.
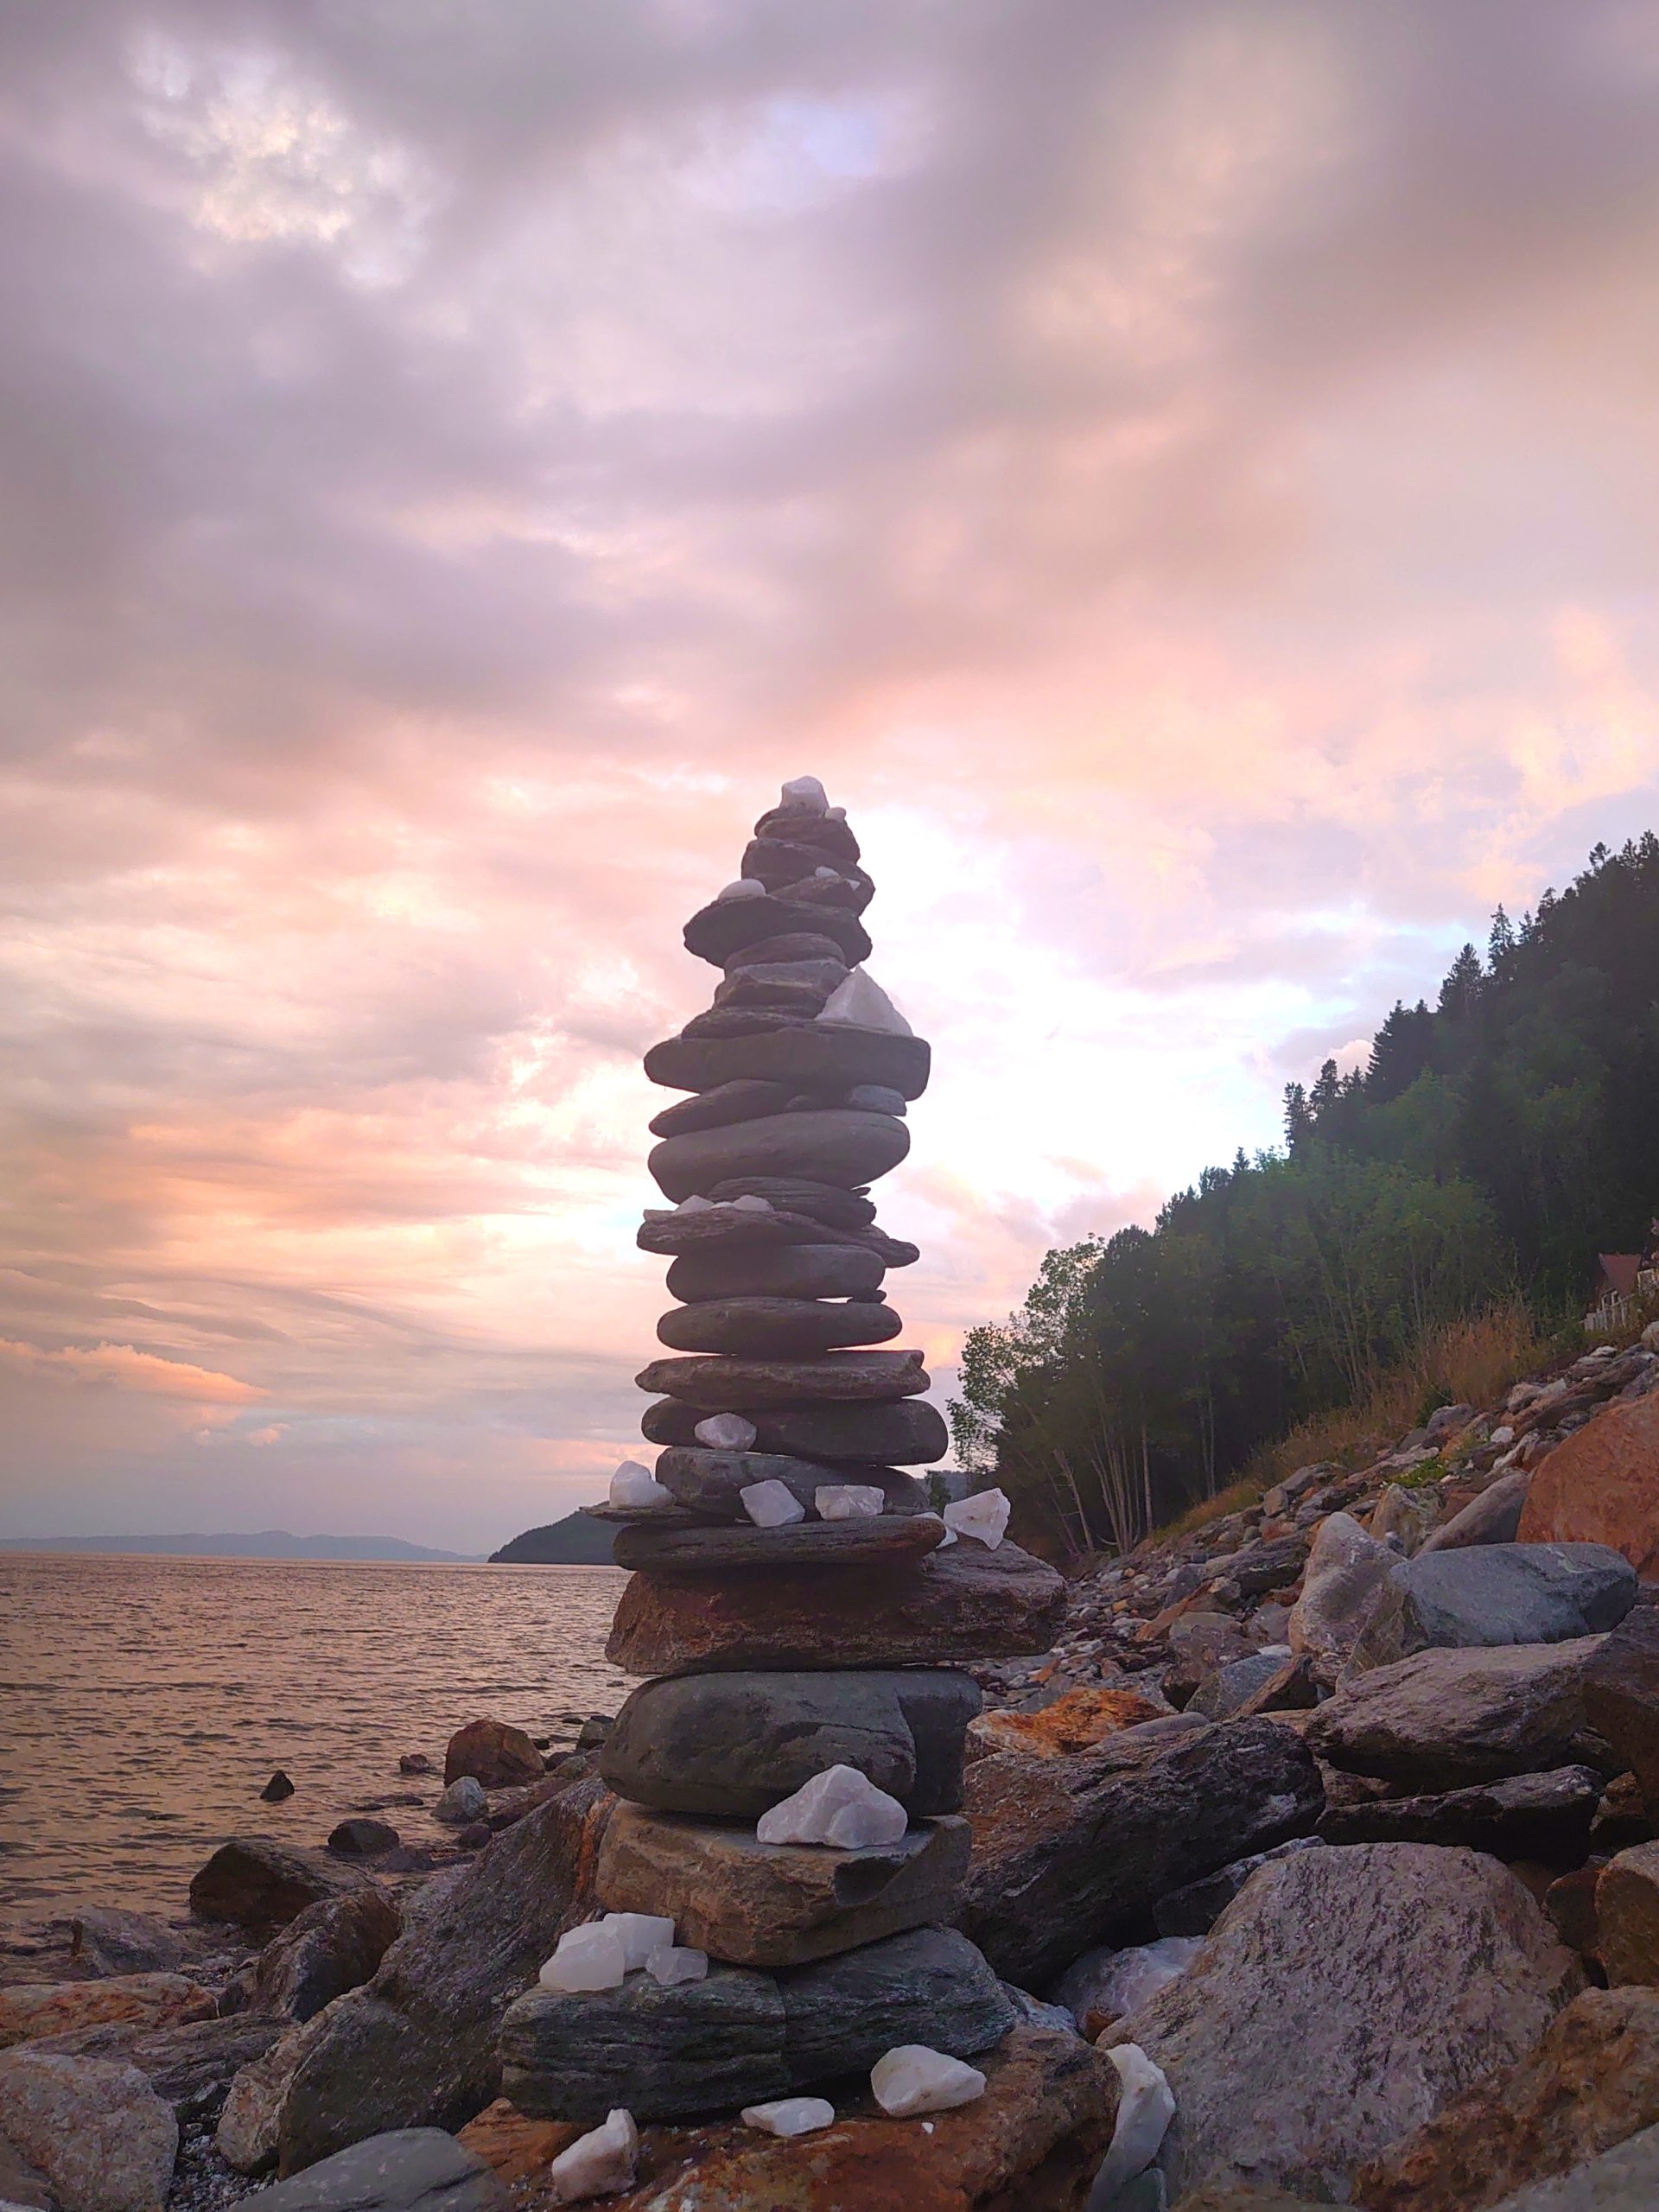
<point>731,1548</point>
<point>730,1747</point>
<point>768,1328</point>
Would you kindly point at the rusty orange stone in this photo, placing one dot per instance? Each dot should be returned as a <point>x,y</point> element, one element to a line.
<point>1600,1485</point>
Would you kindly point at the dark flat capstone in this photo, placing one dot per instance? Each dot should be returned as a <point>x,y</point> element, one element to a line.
<point>736,1548</point>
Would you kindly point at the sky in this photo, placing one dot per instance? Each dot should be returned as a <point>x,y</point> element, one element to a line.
<point>1183,476</point>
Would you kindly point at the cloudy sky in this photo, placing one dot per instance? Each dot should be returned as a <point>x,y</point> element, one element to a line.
<point>1183,475</point>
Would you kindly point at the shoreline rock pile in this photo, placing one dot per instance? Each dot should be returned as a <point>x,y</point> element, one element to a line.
<point>778,1878</point>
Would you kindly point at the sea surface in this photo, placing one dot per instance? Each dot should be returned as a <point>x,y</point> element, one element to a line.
<point>145,1702</point>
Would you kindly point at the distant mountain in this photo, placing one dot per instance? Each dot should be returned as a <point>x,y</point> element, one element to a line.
<point>265,1543</point>
<point>575,1541</point>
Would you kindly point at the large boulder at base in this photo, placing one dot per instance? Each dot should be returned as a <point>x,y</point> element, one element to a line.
<point>1543,1816</point>
<point>32,2009</point>
<point>494,1754</point>
<point>190,2067</point>
<point>409,2170</point>
<point>97,2131</point>
<point>1443,1719</point>
<point>1621,1699</point>
<point>333,1946</point>
<point>1593,2081</point>
<point>1494,1517</point>
<point>416,2045</point>
<point>1069,1853</point>
<point>1494,1594</point>
<point>733,1744</point>
<point>958,1605</point>
<point>1342,1999</point>
<point>1600,1485</point>
<point>1031,2143</point>
<point>261,1886</point>
<point>1346,1572</point>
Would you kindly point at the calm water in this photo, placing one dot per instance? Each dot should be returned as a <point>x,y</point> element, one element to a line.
<point>145,1703</point>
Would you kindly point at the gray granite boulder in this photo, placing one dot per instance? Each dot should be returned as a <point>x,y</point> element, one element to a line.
<point>407,2170</point>
<point>733,1744</point>
<point>1494,1517</point>
<point>1490,1594</point>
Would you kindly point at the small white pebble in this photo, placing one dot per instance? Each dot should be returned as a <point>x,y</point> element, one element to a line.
<point>790,2116</point>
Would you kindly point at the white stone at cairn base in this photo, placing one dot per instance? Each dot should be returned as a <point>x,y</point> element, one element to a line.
<point>790,2116</point>
<point>591,1957</point>
<point>673,1962</point>
<point>913,2079</point>
<point>771,1504</point>
<point>847,1501</point>
<point>599,2164</point>
<point>640,1933</point>
<point>839,1806</point>
<point>984,1516</point>
<point>1144,2109</point>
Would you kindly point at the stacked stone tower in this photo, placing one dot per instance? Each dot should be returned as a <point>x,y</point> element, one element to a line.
<point>798,1613</point>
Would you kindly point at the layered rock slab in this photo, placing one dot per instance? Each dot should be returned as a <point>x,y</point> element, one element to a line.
<point>959,1604</point>
<point>784,1328</point>
<point>884,1539</point>
<point>789,1271</point>
<point>1409,1970</point>
<point>733,1746</point>
<point>751,1904</point>
<point>1543,1816</point>
<point>906,1433</point>
<point>822,1056</point>
<point>718,1385</point>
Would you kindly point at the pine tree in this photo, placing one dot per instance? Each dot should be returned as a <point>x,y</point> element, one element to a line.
<point>1298,1122</point>
<point>1460,992</point>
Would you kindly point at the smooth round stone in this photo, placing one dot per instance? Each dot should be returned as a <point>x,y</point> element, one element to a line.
<point>731,1746</point>
<point>727,1102</point>
<point>768,1328</point>
<point>732,1386</point>
<point>799,945</point>
<point>906,1434</point>
<point>827,1055</point>
<point>841,1147</point>
<point>711,1483</point>
<point>836,1208</point>
<point>887,1539</point>
<point>791,1271</point>
<point>789,826</point>
<point>726,925</point>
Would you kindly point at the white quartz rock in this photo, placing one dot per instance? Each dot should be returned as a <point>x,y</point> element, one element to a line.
<point>673,1962</point>
<point>790,2116</point>
<point>745,887</point>
<point>861,1002</point>
<point>1145,2109</point>
<point>841,1807</point>
<point>640,1933</point>
<point>984,1516</point>
<point>827,876</point>
<point>589,1957</point>
<point>726,1433</point>
<point>695,1204</point>
<point>771,1504</point>
<point>602,2163</point>
<point>805,794</point>
<point>635,1485</point>
<point>751,1202</point>
<point>847,1501</point>
<point>912,2079</point>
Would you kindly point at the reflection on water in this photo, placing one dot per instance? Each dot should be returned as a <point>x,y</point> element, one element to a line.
<point>145,1703</point>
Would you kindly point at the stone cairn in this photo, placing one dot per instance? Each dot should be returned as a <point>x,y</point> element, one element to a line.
<point>780,1876</point>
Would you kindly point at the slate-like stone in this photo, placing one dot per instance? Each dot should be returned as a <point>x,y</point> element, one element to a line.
<point>718,1385</point>
<point>1076,1850</point>
<point>753,1903</point>
<point>1443,1719</point>
<point>928,1985</point>
<point>1542,1816</point>
<point>711,1483</point>
<point>827,834</point>
<point>332,1946</point>
<point>787,1271</point>
<point>958,1605</point>
<point>1220,1694</point>
<point>413,2169</point>
<point>1489,1594</point>
<point>733,1746</point>
<point>824,1056</point>
<point>839,1147</point>
<point>713,1110</point>
<point>778,1328</point>
<point>832,1205</point>
<point>884,1539</point>
<point>906,1433</point>
<point>730,1228</point>
<point>778,860</point>
<point>795,945</point>
<point>726,925</point>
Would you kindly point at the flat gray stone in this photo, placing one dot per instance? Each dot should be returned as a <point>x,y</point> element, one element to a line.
<point>1494,1517</point>
<point>713,1109</point>
<point>720,1385</point>
<point>732,1746</point>
<point>785,1271</point>
<point>744,2035</point>
<point>778,1328</point>
<point>412,2169</point>
<point>908,1433</point>
<point>740,1547</point>
<point>823,1056</point>
<point>711,1483</point>
<point>1494,1594</point>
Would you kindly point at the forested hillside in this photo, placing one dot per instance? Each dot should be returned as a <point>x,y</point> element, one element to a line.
<point>1494,1143</point>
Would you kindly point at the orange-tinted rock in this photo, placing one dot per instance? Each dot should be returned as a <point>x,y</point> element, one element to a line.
<point>495,1754</point>
<point>1627,1916</point>
<point>1570,1901</point>
<point>1600,1485</point>
<point>1072,1723</point>
<point>1593,2081</point>
<point>149,2000</point>
<point>1032,2142</point>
